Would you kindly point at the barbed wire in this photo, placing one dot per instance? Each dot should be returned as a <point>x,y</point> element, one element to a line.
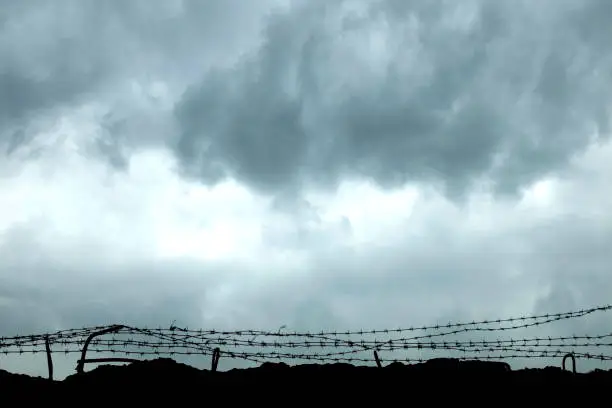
<point>546,318</point>
<point>334,346</point>
<point>393,344</point>
<point>263,357</point>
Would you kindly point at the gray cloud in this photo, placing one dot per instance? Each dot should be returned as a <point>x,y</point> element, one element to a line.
<point>451,273</point>
<point>432,92</point>
<point>40,289</point>
<point>48,58</point>
<point>69,53</point>
<point>403,91</point>
<point>506,90</point>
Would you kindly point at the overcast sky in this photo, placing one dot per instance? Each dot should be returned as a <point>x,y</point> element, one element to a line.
<point>315,164</point>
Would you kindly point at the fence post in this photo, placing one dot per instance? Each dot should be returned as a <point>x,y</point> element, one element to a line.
<point>377,359</point>
<point>215,359</point>
<point>81,362</point>
<point>570,355</point>
<point>49,358</point>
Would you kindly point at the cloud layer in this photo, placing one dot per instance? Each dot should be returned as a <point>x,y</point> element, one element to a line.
<point>404,91</point>
<point>319,165</point>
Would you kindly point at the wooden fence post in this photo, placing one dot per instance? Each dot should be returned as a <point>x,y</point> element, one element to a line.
<point>49,358</point>
<point>215,359</point>
<point>378,363</point>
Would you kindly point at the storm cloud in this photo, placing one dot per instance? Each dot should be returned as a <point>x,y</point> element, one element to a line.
<point>318,165</point>
<point>405,91</point>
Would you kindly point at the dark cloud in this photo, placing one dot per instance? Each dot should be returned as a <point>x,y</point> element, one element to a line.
<point>69,53</point>
<point>405,91</point>
<point>49,59</point>
<point>483,89</point>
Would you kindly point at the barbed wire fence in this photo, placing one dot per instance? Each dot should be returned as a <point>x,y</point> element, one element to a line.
<point>406,345</point>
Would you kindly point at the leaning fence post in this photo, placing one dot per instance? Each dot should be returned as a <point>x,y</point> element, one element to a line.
<point>81,362</point>
<point>377,359</point>
<point>570,355</point>
<point>49,359</point>
<point>215,359</point>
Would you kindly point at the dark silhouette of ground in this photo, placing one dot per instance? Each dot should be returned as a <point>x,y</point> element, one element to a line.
<point>164,380</point>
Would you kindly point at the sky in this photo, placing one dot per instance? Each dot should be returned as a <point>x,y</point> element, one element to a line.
<point>314,164</point>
